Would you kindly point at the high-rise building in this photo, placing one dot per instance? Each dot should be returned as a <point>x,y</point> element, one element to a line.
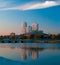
<point>28,29</point>
<point>35,26</point>
<point>23,27</point>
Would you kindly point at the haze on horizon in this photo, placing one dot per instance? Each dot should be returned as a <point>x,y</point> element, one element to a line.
<point>44,12</point>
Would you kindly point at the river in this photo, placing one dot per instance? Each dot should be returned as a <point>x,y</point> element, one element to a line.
<point>29,54</point>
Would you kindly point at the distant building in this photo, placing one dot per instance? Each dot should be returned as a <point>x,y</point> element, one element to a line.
<point>35,27</point>
<point>12,35</point>
<point>23,27</point>
<point>28,29</point>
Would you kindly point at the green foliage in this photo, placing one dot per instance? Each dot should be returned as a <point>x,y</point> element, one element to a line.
<point>34,31</point>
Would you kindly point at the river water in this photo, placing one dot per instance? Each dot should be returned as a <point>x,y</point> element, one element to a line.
<point>29,54</point>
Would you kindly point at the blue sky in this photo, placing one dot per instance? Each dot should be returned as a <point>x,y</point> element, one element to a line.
<point>44,12</point>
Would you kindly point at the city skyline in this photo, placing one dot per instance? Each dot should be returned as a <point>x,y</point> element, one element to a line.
<point>46,13</point>
<point>27,29</point>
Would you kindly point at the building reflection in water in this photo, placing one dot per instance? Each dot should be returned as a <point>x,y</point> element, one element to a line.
<point>20,53</point>
<point>24,52</point>
<point>33,53</point>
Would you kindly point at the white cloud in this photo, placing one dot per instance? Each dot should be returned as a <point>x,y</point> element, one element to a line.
<point>31,6</point>
<point>39,5</point>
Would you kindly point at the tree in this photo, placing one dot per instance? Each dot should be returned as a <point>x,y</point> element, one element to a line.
<point>58,36</point>
<point>53,36</point>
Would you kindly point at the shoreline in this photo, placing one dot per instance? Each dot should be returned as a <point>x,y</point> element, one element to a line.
<point>31,41</point>
<point>47,41</point>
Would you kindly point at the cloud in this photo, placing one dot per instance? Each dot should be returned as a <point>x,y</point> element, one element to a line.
<point>40,5</point>
<point>32,6</point>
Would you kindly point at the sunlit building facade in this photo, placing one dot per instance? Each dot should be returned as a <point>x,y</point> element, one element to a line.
<point>35,27</point>
<point>23,27</point>
<point>28,29</point>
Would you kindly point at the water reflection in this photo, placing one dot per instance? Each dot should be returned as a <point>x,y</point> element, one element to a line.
<point>10,53</point>
<point>29,54</point>
<point>19,53</point>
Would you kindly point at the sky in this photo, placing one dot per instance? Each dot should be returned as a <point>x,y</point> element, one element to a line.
<point>44,12</point>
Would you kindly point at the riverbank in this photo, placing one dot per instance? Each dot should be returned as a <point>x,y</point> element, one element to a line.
<point>31,41</point>
<point>46,41</point>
